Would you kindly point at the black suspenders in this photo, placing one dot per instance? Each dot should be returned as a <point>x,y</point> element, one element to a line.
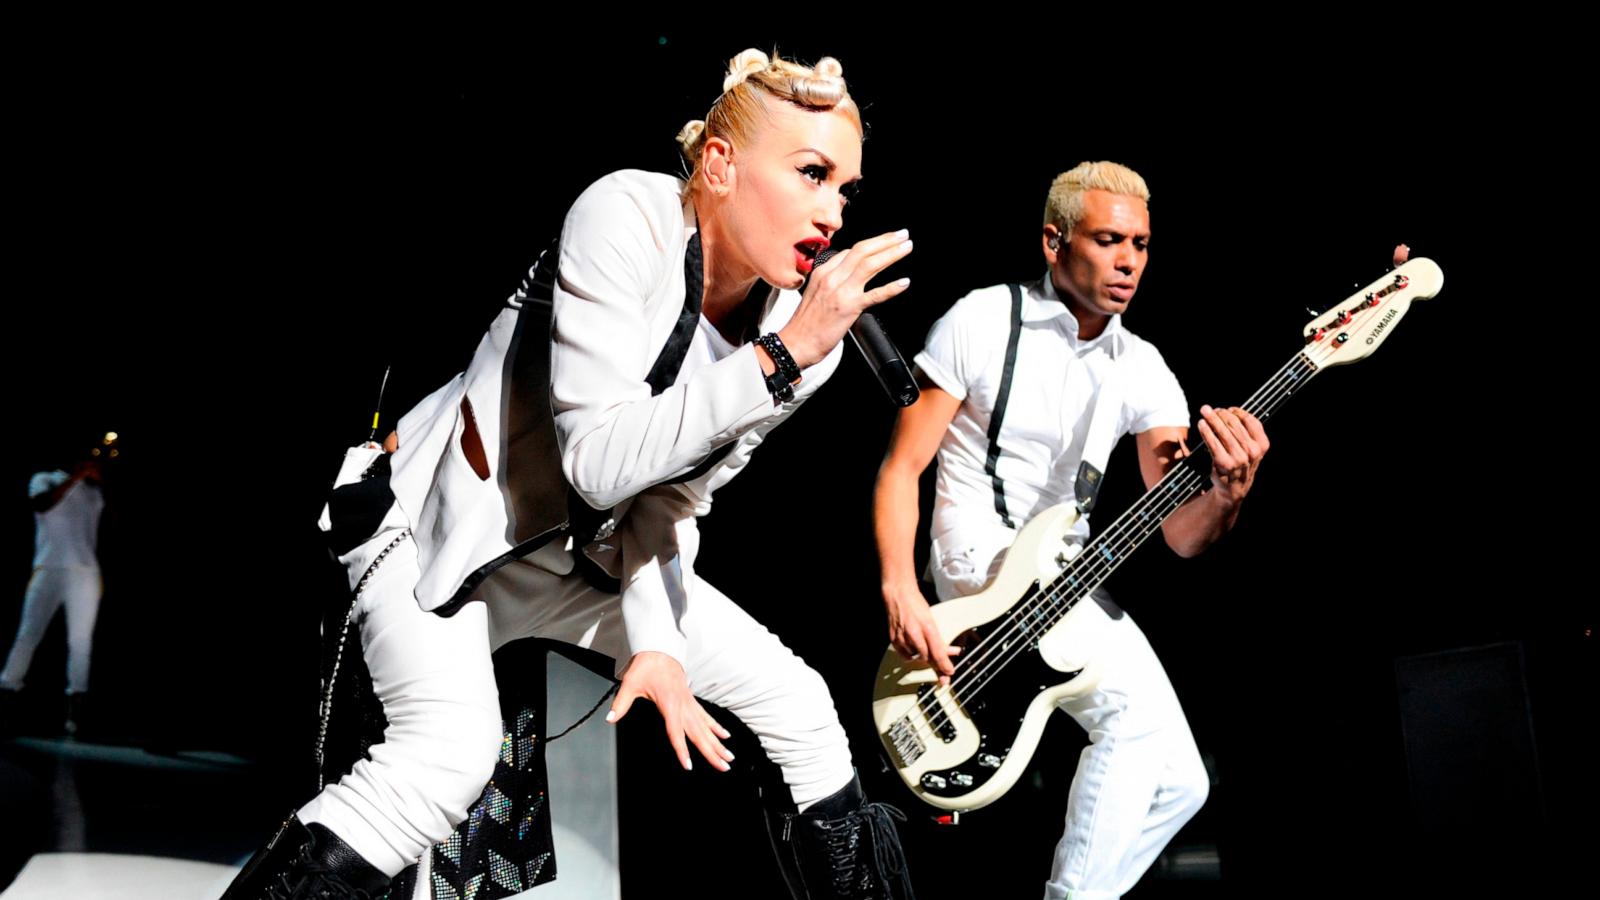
<point>1000,400</point>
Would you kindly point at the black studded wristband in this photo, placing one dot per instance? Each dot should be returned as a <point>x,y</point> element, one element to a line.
<point>781,382</point>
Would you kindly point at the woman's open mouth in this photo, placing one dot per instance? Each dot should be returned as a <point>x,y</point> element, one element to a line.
<point>805,253</point>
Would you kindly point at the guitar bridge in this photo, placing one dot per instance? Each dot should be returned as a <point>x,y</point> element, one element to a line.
<point>907,744</point>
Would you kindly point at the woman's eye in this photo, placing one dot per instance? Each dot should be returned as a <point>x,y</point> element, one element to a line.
<point>814,174</point>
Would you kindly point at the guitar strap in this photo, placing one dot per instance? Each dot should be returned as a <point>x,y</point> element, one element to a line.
<point>1001,399</point>
<point>1102,434</point>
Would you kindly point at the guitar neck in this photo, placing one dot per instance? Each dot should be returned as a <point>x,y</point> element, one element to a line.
<point>1104,553</point>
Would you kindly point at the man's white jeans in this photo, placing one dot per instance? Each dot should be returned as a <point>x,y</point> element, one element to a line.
<point>1141,777</point>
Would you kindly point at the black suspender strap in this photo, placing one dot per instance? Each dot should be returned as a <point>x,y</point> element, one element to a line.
<point>1000,400</point>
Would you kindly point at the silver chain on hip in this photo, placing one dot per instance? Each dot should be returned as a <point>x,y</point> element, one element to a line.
<point>326,710</point>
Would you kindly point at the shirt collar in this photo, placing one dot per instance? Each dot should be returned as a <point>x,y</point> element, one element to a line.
<point>1044,305</point>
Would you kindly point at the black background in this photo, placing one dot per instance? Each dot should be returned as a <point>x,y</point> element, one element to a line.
<point>216,250</point>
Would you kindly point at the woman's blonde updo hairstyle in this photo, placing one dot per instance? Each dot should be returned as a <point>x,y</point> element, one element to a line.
<point>741,109</point>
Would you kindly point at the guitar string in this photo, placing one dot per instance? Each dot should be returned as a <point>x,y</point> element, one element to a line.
<point>1126,534</point>
<point>981,665</point>
<point>1278,389</point>
<point>1289,379</point>
<point>1055,601</point>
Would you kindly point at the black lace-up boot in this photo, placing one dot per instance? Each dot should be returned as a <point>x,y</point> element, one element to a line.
<point>844,848</point>
<point>307,862</point>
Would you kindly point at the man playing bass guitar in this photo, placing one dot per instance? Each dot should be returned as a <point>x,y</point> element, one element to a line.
<point>1022,385</point>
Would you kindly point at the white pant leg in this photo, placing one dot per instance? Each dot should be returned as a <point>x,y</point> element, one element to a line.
<point>742,667</point>
<point>50,587</point>
<point>81,588</point>
<point>435,680</point>
<point>732,661</point>
<point>957,575</point>
<point>1139,780</point>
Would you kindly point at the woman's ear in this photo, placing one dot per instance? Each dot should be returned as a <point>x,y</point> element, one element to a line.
<point>716,165</point>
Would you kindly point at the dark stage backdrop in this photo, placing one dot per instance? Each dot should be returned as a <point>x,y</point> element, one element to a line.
<point>216,254</point>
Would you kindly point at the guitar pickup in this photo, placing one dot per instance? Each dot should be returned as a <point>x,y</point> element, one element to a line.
<point>929,703</point>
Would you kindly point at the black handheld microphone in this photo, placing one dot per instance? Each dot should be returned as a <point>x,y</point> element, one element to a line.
<point>880,352</point>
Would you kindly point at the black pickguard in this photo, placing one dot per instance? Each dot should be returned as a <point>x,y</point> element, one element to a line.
<point>996,701</point>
